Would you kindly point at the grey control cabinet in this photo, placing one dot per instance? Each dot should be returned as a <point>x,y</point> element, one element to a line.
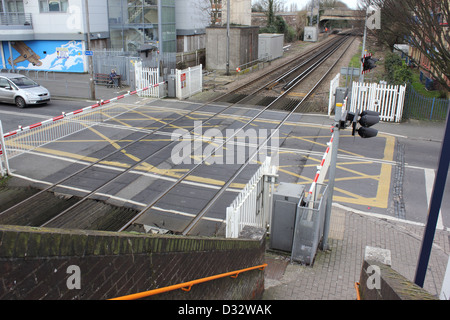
<point>285,202</point>
<point>171,86</point>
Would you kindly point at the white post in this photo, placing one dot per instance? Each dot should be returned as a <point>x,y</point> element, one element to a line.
<point>334,157</point>
<point>4,165</point>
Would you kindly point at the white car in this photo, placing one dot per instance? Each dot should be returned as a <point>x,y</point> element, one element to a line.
<point>21,91</point>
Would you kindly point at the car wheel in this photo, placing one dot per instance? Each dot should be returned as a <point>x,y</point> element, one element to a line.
<point>20,102</point>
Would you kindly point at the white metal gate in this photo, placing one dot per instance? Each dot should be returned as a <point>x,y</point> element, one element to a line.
<point>253,206</point>
<point>388,100</point>
<point>333,86</point>
<point>189,82</point>
<point>148,78</point>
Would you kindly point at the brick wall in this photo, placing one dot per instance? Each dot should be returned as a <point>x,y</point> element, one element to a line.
<point>39,263</point>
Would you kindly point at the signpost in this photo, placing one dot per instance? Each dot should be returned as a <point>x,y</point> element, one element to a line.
<point>349,71</point>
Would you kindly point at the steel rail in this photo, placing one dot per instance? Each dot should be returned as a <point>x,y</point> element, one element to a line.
<point>235,175</point>
<point>136,141</point>
<point>146,136</point>
<point>163,194</point>
<point>86,197</point>
<point>329,45</point>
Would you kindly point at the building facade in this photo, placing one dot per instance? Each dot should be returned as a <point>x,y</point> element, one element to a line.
<point>53,35</point>
<point>192,18</point>
<point>240,12</point>
<point>50,35</point>
<point>428,73</point>
<point>138,23</point>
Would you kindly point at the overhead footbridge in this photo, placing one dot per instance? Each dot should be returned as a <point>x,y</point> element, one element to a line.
<point>334,14</point>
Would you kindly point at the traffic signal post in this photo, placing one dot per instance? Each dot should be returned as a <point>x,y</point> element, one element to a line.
<point>342,120</point>
<point>368,63</point>
<point>332,173</point>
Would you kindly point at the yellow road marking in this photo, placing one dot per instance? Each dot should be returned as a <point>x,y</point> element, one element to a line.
<point>383,180</point>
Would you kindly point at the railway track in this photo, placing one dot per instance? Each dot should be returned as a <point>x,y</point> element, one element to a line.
<point>86,212</point>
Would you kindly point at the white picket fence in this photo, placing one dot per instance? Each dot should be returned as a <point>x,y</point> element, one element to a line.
<point>189,82</point>
<point>388,100</point>
<point>253,206</point>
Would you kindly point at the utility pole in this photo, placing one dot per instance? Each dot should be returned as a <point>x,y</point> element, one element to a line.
<point>312,12</point>
<point>90,58</point>
<point>228,37</point>
<point>363,53</point>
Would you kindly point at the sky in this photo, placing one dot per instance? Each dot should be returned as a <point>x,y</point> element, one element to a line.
<point>352,4</point>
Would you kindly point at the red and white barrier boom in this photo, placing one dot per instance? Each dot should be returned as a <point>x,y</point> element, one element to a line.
<point>28,138</point>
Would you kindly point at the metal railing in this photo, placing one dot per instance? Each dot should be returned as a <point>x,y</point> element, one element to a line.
<point>424,108</point>
<point>253,204</point>
<point>16,19</point>
<point>187,286</point>
<point>255,64</point>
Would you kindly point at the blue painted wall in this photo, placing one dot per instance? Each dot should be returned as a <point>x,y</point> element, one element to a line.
<point>58,56</point>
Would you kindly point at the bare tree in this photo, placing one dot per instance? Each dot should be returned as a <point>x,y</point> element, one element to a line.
<point>325,4</point>
<point>421,24</point>
<point>209,11</point>
<point>212,10</point>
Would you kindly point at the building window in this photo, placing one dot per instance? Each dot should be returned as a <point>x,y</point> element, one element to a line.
<point>14,6</point>
<point>53,5</point>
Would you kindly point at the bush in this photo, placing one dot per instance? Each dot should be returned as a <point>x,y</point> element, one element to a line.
<point>397,71</point>
<point>280,26</point>
<point>402,75</point>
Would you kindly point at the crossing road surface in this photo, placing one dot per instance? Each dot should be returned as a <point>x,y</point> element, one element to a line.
<point>390,176</point>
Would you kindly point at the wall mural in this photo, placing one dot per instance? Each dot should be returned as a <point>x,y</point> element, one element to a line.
<point>42,55</point>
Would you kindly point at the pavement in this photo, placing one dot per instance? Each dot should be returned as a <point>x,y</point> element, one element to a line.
<point>74,86</point>
<point>334,272</point>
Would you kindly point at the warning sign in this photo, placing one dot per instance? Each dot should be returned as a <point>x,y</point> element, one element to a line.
<point>183,80</point>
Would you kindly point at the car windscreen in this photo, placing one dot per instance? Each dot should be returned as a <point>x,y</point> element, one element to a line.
<point>24,82</point>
